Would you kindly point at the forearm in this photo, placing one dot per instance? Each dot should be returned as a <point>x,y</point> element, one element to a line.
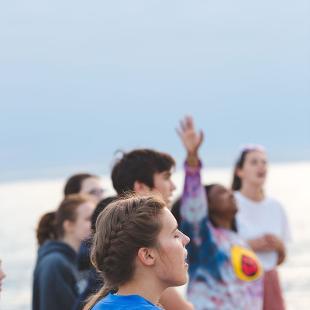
<point>281,257</point>
<point>194,202</point>
<point>193,205</point>
<point>258,245</point>
<point>281,250</point>
<point>267,243</point>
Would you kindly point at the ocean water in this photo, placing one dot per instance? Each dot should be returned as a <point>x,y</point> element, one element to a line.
<point>22,203</point>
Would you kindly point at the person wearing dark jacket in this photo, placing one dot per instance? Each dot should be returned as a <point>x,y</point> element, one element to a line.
<point>55,274</point>
<point>95,281</point>
<point>59,236</point>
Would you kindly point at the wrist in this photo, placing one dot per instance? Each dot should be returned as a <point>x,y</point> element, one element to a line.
<point>192,159</point>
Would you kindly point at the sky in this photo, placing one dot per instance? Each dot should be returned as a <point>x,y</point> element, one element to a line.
<point>80,80</point>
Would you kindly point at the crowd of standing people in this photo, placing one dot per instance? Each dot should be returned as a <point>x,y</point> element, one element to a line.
<point>131,250</point>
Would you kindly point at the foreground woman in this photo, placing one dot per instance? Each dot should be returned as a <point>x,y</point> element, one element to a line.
<point>139,251</point>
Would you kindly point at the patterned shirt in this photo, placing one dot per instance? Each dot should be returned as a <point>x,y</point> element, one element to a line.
<point>224,274</point>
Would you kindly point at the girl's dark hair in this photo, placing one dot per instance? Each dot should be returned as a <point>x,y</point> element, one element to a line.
<point>74,183</point>
<point>46,228</point>
<point>122,228</point>
<point>99,208</point>
<point>237,182</point>
<point>208,189</point>
<point>177,205</point>
<point>50,225</point>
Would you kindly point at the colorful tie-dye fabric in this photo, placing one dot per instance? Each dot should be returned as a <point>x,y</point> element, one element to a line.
<point>213,281</point>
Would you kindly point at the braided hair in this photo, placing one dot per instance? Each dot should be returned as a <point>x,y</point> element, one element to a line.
<point>122,228</point>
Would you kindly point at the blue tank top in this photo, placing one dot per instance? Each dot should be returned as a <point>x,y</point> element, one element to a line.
<point>120,302</point>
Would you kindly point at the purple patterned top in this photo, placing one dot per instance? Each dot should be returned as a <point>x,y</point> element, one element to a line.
<point>219,260</point>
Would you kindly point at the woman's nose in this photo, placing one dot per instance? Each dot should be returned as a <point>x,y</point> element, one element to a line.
<point>186,239</point>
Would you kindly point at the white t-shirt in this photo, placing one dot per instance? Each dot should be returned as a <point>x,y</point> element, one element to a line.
<point>255,219</point>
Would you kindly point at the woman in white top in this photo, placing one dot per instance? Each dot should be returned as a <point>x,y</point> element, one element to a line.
<point>261,220</point>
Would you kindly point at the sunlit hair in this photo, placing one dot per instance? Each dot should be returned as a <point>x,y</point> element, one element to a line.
<point>246,149</point>
<point>122,228</point>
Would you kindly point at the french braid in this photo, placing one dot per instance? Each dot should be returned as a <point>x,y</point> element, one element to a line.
<point>122,228</point>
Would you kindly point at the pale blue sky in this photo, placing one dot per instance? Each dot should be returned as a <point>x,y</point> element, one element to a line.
<point>79,80</point>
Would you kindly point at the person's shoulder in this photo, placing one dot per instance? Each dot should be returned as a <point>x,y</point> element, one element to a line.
<point>55,261</point>
<point>276,208</point>
<point>104,304</point>
<point>145,305</point>
<point>56,257</point>
<point>110,306</point>
<point>120,303</point>
<point>273,203</point>
<point>239,197</point>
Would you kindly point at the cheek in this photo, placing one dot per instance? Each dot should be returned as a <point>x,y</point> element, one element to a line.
<point>83,226</point>
<point>247,173</point>
<point>251,167</point>
<point>164,185</point>
<point>174,251</point>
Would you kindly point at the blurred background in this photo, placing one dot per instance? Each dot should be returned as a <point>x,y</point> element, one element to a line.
<point>79,81</point>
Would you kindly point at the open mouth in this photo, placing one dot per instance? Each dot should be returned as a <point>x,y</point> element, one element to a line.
<point>261,175</point>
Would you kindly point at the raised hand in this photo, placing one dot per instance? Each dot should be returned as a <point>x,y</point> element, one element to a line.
<point>191,139</point>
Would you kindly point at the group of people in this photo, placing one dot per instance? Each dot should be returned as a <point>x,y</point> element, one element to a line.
<point>132,250</point>
<point>238,235</point>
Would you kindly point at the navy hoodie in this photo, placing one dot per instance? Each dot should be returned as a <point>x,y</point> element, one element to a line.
<point>55,277</point>
<point>94,282</point>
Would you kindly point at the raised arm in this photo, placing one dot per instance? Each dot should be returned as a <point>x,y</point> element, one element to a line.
<point>194,202</point>
<point>203,251</point>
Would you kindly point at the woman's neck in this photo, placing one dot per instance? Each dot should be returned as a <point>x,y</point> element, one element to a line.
<point>75,244</point>
<point>254,193</point>
<point>144,288</point>
<point>222,223</point>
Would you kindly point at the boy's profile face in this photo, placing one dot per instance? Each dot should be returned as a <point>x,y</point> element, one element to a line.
<point>163,185</point>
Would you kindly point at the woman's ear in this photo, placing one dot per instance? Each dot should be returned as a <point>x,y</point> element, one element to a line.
<point>147,256</point>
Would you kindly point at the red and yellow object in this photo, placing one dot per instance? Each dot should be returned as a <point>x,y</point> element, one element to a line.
<point>246,264</point>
